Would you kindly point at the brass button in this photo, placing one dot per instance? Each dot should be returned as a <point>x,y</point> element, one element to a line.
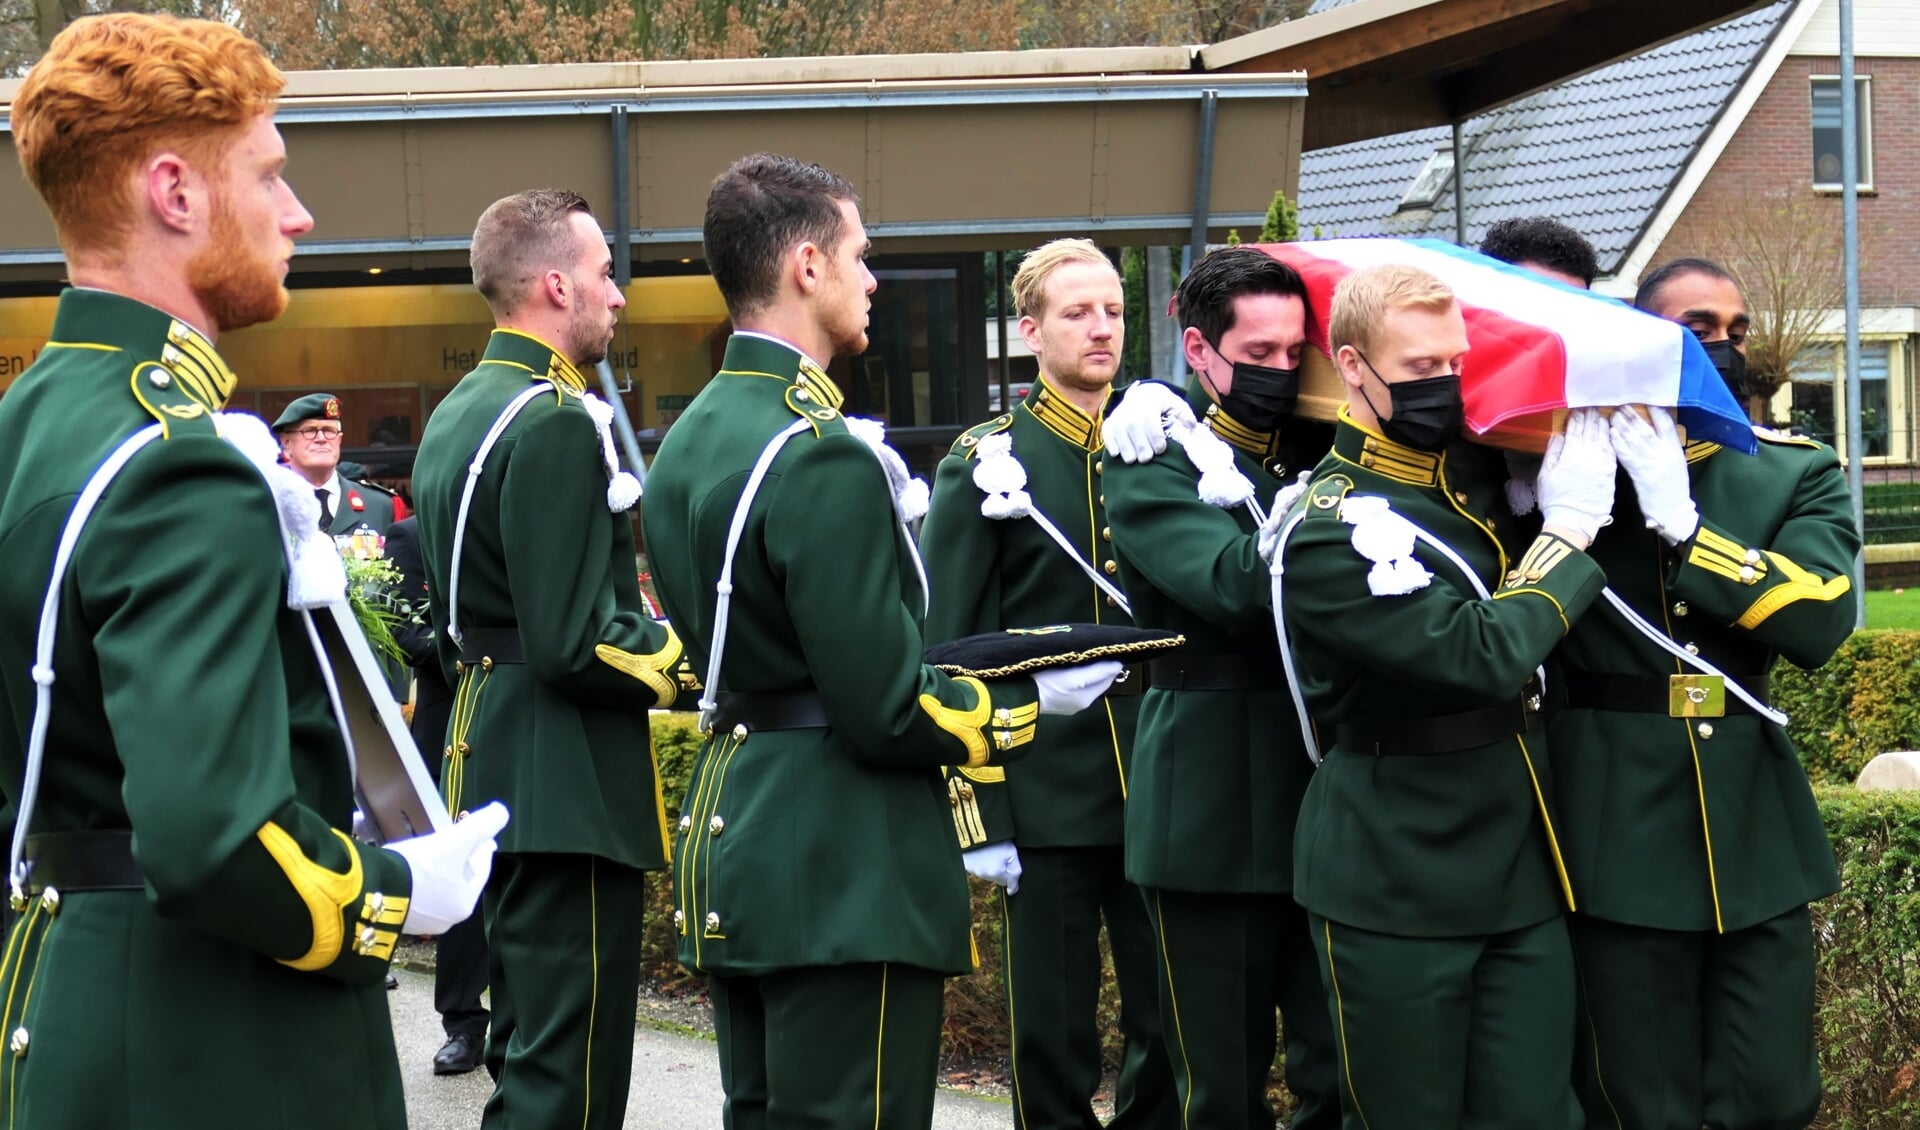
<point>1276,468</point>
<point>716,826</point>
<point>966,791</point>
<point>679,919</point>
<point>1753,557</point>
<point>157,379</point>
<point>1106,533</point>
<point>463,749</point>
<point>50,901</point>
<point>18,1043</point>
<point>17,900</point>
<point>1693,649</point>
<point>1679,608</point>
<point>1746,574</point>
<point>1103,500</point>
<point>1003,715</point>
<point>376,903</point>
<point>953,798</point>
<point>448,752</point>
<point>713,920</point>
<point>1099,466</point>
<point>800,394</point>
<point>1110,568</point>
<point>1112,603</point>
<point>686,823</point>
<point>740,732</point>
<point>486,663</point>
<point>1532,704</point>
<point>1460,497</point>
<point>1705,730</point>
<point>366,941</point>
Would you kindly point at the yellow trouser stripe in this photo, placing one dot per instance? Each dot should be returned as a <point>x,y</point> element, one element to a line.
<point>1340,1015</point>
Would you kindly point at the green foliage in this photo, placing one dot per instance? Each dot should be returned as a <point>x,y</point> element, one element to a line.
<point>1283,221</point>
<point>1859,704</point>
<point>1133,284</point>
<point>1233,237</point>
<point>373,586</point>
<point>1867,973</point>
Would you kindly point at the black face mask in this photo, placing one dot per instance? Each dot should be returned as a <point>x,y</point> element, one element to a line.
<point>1732,365</point>
<point>1427,414</point>
<point>1260,396</point>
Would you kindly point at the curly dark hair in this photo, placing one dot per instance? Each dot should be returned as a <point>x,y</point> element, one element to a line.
<point>1543,242</point>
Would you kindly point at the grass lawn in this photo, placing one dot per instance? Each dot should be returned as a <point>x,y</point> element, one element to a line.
<point>1894,608</point>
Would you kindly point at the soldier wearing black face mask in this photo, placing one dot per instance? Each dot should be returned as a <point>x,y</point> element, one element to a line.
<point>1690,831</point>
<point>1218,762</point>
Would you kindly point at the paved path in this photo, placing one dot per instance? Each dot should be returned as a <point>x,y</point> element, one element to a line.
<point>676,1079</point>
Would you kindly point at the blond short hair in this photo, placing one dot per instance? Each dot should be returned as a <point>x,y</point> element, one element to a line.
<point>1030,281</point>
<point>1364,299</point>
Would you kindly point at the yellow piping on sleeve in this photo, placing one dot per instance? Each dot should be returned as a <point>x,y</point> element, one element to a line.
<point>655,669</point>
<point>326,893</point>
<point>1800,585</point>
<point>967,725</point>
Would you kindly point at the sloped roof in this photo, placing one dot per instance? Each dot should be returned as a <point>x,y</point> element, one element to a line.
<point>1599,153</point>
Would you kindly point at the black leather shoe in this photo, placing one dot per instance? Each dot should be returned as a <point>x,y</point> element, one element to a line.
<point>459,1055</point>
<point>392,982</point>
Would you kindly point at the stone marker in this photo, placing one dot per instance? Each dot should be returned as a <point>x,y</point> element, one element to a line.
<point>1891,771</point>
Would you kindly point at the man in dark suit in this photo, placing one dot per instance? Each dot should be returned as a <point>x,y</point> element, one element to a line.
<point>460,956</point>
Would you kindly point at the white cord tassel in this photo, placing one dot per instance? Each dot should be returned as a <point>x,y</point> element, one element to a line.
<point>623,489</point>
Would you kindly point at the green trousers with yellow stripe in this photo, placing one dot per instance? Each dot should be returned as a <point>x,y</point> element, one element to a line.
<point>1472,1033</point>
<point>835,1047</point>
<point>1227,961</point>
<point>563,955</point>
<point>1051,940</point>
<point>1680,1030</point>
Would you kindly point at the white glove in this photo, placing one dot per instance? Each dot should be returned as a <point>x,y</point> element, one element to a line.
<point>1575,484</point>
<point>996,863</point>
<point>1656,461</point>
<point>450,869</point>
<point>1522,470</point>
<point>1136,429</point>
<point>1283,500</point>
<point>1069,690</point>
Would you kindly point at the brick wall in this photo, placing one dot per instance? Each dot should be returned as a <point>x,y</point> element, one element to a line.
<point>1774,149</point>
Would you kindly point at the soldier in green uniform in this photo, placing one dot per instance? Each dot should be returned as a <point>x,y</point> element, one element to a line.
<point>1218,769</point>
<point>537,610</point>
<point>1049,828</point>
<point>1425,851</point>
<point>350,508</point>
<point>818,883</point>
<point>1690,830</point>
<point>197,939</point>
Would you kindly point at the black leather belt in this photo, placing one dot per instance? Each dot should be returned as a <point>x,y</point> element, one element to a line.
<point>789,710</point>
<point>1132,681</point>
<point>1442,733</point>
<point>1215,673</point>
<point>1648,694</point>
<point>501,645</point>
<point>83,861</point>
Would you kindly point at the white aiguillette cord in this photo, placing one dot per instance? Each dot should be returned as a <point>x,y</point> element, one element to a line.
<point>1660,639</point>
<point>723,589</point>
<point>474,468</point>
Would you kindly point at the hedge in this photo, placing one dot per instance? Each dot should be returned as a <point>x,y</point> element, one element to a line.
<point>1864,701</point>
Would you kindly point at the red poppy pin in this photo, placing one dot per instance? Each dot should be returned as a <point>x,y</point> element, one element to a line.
<point>354,500</point>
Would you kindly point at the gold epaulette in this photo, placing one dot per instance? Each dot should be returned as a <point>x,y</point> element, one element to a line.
<point>1769,435</point>
<point>970,439</point>
<point>1324,497</point>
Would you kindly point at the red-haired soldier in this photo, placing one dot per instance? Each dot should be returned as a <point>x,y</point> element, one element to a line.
<point>196,938</point>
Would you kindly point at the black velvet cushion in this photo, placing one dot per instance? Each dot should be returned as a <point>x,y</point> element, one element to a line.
<point>1018,651</point>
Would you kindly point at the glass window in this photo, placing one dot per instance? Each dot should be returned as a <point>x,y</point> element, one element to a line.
<point>1827,133</point>
<point>1430,183</point>
<point>1814,401</point>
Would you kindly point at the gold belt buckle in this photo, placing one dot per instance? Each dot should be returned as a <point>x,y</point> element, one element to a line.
<point>1696,696</point>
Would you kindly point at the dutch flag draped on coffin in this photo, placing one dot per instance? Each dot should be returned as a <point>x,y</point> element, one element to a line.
<point>1538,347</point>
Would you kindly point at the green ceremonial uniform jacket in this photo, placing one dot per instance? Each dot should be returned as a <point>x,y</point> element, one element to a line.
<point>1424,844</point>
<point>990,574</point>
<point>1708,823</point>
<point>375,513</point>
<point>1217,774</point>
<point>189,707</point>
<point>830,845</point>
<point>562,738</point>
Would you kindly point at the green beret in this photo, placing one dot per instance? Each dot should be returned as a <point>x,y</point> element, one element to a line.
<point>314,406</point>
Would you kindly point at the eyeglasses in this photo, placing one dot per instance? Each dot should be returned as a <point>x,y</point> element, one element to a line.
<point>315,433</point>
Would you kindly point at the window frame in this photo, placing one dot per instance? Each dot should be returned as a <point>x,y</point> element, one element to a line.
<point>1900,423</point>
<point>1865,85</point>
